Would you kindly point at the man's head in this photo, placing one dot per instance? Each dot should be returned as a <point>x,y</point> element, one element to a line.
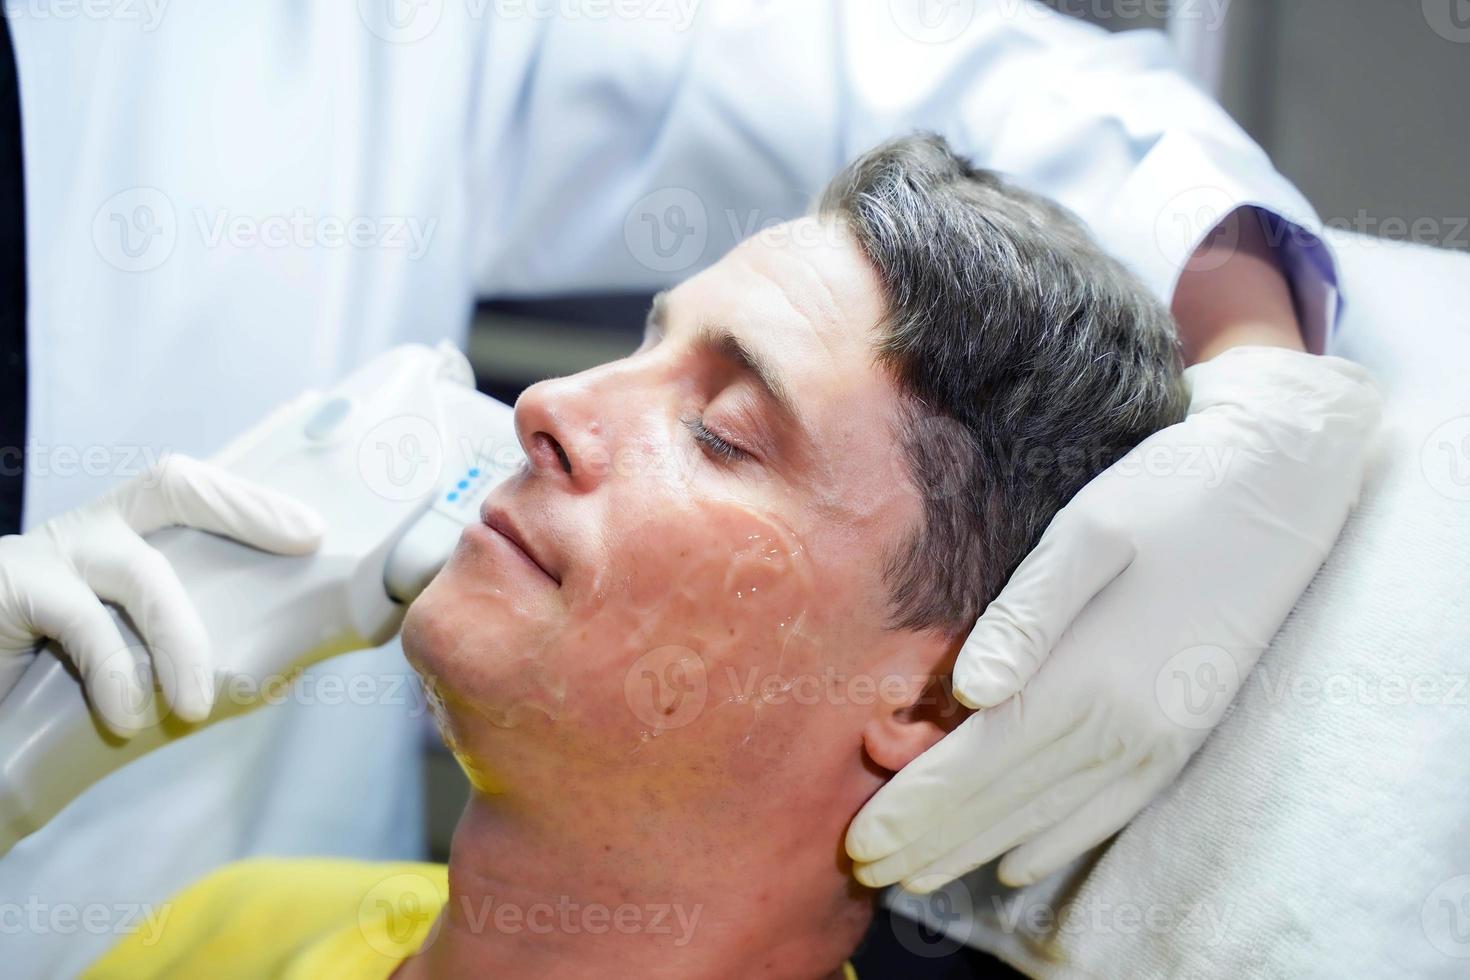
<point>767,529</point>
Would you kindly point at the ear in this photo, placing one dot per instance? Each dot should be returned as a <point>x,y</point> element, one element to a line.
<point>915,706</point>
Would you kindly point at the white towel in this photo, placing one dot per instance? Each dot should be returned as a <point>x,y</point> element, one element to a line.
<point>1324,828</point>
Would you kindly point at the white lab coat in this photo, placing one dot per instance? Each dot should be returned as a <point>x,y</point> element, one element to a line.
<point>233,142</point>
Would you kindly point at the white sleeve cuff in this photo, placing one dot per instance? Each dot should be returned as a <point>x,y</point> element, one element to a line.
<point>1183,188</point>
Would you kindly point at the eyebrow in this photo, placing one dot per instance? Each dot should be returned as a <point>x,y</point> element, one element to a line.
<point>724,343</point>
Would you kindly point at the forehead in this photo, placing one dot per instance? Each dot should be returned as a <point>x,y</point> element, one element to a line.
<point>808,278</point>
<point>803,293</point>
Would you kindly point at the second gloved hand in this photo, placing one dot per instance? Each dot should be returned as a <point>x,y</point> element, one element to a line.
<point>54,578</point>
<point>1119,642</point>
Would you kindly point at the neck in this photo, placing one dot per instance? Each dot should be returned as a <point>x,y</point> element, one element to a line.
<point>719,893</point>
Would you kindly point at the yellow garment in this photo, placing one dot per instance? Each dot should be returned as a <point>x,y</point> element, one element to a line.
<point>296,919</point>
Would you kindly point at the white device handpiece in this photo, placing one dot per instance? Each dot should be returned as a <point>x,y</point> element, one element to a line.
<point>396,459</point>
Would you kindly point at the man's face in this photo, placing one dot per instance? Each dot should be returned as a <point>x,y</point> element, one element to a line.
<point>711,514</point>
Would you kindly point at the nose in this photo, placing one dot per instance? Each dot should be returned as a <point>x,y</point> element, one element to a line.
<point>559,430</point>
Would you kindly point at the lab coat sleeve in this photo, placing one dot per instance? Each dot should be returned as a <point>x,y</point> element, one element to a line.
<point>626,153</point>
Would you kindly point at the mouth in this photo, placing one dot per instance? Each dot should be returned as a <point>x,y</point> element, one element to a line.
<point>499,521</point>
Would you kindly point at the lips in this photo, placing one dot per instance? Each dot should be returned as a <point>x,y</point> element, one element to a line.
<point>499,521</point>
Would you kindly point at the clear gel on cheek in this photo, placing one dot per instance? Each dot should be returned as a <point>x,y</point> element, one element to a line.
<point>708,619</point>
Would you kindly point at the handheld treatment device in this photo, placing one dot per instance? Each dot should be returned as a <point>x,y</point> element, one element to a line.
<point>396,458</point>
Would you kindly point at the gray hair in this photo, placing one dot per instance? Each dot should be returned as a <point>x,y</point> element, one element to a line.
<point>1030,361</point>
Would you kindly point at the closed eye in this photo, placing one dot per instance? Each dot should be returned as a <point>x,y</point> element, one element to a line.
<point>717,446</point>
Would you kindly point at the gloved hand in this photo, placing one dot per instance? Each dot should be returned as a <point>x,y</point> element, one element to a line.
<point>1117,645</point>
<point>53,578</point>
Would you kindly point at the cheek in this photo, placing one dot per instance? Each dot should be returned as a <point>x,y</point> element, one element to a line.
<point>699,655</point>
<point>686,661</point>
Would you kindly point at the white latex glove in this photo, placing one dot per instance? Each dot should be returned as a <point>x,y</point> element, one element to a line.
<point>53,580</point>
<point>1119,642</point>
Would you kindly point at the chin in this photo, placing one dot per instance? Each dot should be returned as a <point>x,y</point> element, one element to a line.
<point>426,634</point>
